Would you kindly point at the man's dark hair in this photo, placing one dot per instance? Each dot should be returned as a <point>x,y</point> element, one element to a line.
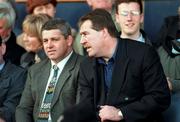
<point>118,2</point>
<point>100,19</point>
<point>60,24</point>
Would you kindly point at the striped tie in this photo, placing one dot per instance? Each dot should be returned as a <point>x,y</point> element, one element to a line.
<point>46,104</point>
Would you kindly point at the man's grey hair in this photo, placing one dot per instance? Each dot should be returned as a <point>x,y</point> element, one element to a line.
<point>7,12</point>
<point>60,24</point>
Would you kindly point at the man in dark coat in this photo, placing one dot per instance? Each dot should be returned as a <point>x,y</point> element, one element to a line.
<point>122,79</point>
<point>7,20</point>
<point>12,80</point>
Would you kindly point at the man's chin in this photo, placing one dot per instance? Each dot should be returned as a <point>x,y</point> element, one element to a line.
<point>90,55</point>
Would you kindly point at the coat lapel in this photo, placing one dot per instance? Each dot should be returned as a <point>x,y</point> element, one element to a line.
<point>45,72</point>
<point>65,74</point>
<point>119,72</point>
<point>99,97</point>
<point>4,73</point>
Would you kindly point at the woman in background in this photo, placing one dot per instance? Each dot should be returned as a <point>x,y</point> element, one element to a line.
<point>32,39</point>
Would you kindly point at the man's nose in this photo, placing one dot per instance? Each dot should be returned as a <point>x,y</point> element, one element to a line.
<point>83,39</point>
<point>129,16</point>
<point>49,43</point>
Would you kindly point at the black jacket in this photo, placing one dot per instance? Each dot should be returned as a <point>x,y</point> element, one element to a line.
<point>138,87</point>
<point>13,50</point>
<point>12,80</point>
<point>168,33</point>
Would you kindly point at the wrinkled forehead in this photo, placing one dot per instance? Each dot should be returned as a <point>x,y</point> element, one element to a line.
<point>105,1</point>
<point>45,5</point>
<point>51,33</point>
<point>101,3</point>
<point>86,25</point>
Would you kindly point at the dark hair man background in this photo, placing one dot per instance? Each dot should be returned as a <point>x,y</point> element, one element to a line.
<point>125,80</point>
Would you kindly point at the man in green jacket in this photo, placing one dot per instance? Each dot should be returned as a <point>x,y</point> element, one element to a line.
<point>51,86</point>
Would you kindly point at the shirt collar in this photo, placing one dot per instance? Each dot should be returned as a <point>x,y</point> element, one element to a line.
<point>2,66</point>
<point>112,59</point>
<point>141,39</point>
<point>176,46</point>
<point>7,38</point>
<point>62,62</point>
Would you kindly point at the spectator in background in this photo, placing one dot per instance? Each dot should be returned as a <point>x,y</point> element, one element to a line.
<point>12,2</point>
<point>32,39</point>
<point>41,7</point>
<point>38,7</point>
<point>12,80</point>
<point>125,80</point>
<point>62,89</point>
<point>129,16</point>
<point>169,52</point>
<point>108,5</point>
<point>7,20</point>
<point>103,4</point>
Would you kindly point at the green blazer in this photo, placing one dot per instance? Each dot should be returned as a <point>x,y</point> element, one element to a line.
<point>65,95</point>
<point>171,66</point>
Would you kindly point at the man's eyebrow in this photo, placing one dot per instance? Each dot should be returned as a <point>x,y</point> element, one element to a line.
<point>81,33</point>
<point>84,32</point>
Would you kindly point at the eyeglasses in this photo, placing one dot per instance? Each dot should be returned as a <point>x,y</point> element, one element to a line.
<point>133,13</point>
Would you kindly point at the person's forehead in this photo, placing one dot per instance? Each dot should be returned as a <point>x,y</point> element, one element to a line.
<point>130,5</point>
<point>101,2</point>
<point>43,5</point>
<point>3,23</point>
<point>97,1</point>
<point>51,33</point>
<point>86,25</point>
<point>3,20</point>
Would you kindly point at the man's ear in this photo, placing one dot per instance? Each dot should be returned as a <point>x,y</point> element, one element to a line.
<point>69,40</point>
<point>105,32</point>
<point>142,18</point>
<point>117,17</point>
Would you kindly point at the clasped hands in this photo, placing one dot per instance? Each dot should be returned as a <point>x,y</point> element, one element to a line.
<point>107,112</point>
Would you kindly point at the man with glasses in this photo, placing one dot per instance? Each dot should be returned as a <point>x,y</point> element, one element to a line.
<point>129,15</point>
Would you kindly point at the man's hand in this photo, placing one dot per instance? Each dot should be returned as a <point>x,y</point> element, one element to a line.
<point>109,113</point>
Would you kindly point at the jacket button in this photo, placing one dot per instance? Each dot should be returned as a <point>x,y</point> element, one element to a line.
<point>126,98</point>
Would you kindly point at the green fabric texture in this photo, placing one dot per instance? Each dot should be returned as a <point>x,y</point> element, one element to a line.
<point>171,68</point>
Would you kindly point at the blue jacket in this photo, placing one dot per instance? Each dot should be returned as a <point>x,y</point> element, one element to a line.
<point>12,80</point>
